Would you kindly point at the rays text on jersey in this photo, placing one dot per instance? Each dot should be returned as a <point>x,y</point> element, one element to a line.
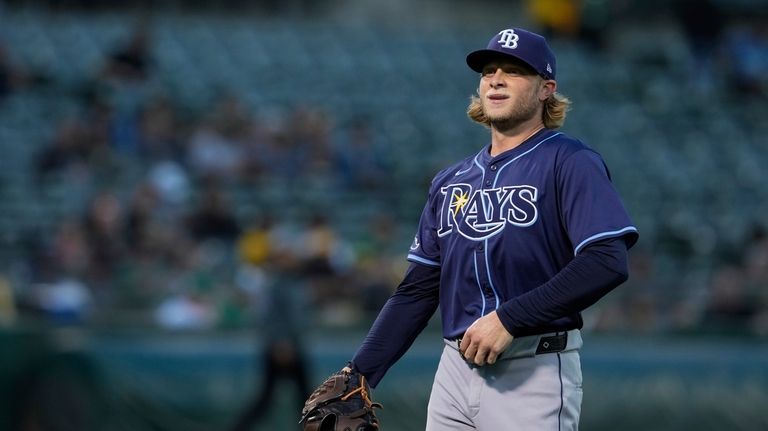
<point>483,213</point>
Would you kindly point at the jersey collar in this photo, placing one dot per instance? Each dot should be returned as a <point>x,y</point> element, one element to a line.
<point>485,154</point>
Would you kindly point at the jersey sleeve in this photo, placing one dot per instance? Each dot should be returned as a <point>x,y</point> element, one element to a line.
<point>591,208</point>
<point>425,248</point>
<point>403,317</point>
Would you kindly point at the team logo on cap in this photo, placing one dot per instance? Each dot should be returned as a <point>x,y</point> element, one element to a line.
<point>508,38</point>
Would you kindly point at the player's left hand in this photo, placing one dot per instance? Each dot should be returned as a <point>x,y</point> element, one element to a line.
<point>485,340</point>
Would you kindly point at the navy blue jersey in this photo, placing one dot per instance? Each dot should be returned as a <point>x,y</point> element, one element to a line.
<point>498,227</point>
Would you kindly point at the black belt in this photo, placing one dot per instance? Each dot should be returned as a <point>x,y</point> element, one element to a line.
<point>553,343</point>
<point>549,344</point>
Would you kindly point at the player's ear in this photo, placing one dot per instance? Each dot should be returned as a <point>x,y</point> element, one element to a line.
<point>547,89</point>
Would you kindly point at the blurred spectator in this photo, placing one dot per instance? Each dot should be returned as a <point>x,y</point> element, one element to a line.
<point>730,306</point>
<point>104,225</point>
<point>79,151</point>
<point>156,244</point>
<point>262,154</point>
<point>596,19</point>
<point>69,152</point>
<point>125,83</point>
<point>255,242</point>
<point>140,217</point>
<point>702,23</point>
<point>65,300</point>
<point>379,262</point>
<point>186,311</point>
<point>216,148</point>
<point>159,139</point>
<point>360,160</point>
<point>379,238</point>
<point>99,119</point>
<point>283,360</point>
<point>756,259</point>
<point>376,280</point>
<point>756,268</point>
<point>282,322</point>
<point>160,252</point>
<point>10,76</point>
<point>70,251</point>
<point>291,147</point>
<point>556,17</point>
<point>637,306</point>
<point>323,251</point>
<point>308,138</point>
<point>199,287</point>
<point>14,77</point>
<point>327,262</point>
<point>172,183</point>
<point>7,302</point>
<point>59,290</point>
<point>132,61</point>
<point>748,57</point>
<point>213,216</point>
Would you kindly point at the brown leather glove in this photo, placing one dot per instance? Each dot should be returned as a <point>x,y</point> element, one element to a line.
<point>341,403</point>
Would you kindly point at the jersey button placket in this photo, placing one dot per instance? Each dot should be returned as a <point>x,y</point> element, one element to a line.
<point>483,281</point>
<point>488,182</point>
<point>489,296</point>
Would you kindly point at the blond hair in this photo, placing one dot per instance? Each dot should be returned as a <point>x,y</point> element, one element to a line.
<point>553,115</point>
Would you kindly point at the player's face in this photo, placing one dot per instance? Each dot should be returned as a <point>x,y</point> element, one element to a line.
<point>510,93</point>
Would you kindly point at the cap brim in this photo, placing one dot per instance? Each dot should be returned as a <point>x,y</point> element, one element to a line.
<point>477,60</point>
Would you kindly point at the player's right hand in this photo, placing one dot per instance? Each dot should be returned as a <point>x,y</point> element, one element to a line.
<point>485,340</point>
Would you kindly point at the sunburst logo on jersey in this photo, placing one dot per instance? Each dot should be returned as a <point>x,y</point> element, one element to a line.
<point>459,200</point>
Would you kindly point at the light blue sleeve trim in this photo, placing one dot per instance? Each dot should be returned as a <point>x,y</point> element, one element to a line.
<point>414,258</point>
<point>595,237</point>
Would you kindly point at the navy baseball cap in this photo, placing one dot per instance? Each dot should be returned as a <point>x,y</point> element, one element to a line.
<point>531,48</point>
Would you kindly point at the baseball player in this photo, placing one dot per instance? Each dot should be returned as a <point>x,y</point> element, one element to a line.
<point>513,243</point>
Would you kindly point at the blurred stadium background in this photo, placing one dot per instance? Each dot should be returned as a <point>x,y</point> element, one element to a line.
<point>185,183</point>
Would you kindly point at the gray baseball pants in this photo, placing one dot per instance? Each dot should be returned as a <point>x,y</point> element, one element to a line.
<point>522,391</point>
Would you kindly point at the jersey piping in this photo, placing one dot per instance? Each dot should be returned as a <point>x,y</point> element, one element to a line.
<point>602,235</point>
<point>480,287</point>
<point>521,155</point>
<point>420,259</point>
<point>485,255</point>
<point>562,400</point>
